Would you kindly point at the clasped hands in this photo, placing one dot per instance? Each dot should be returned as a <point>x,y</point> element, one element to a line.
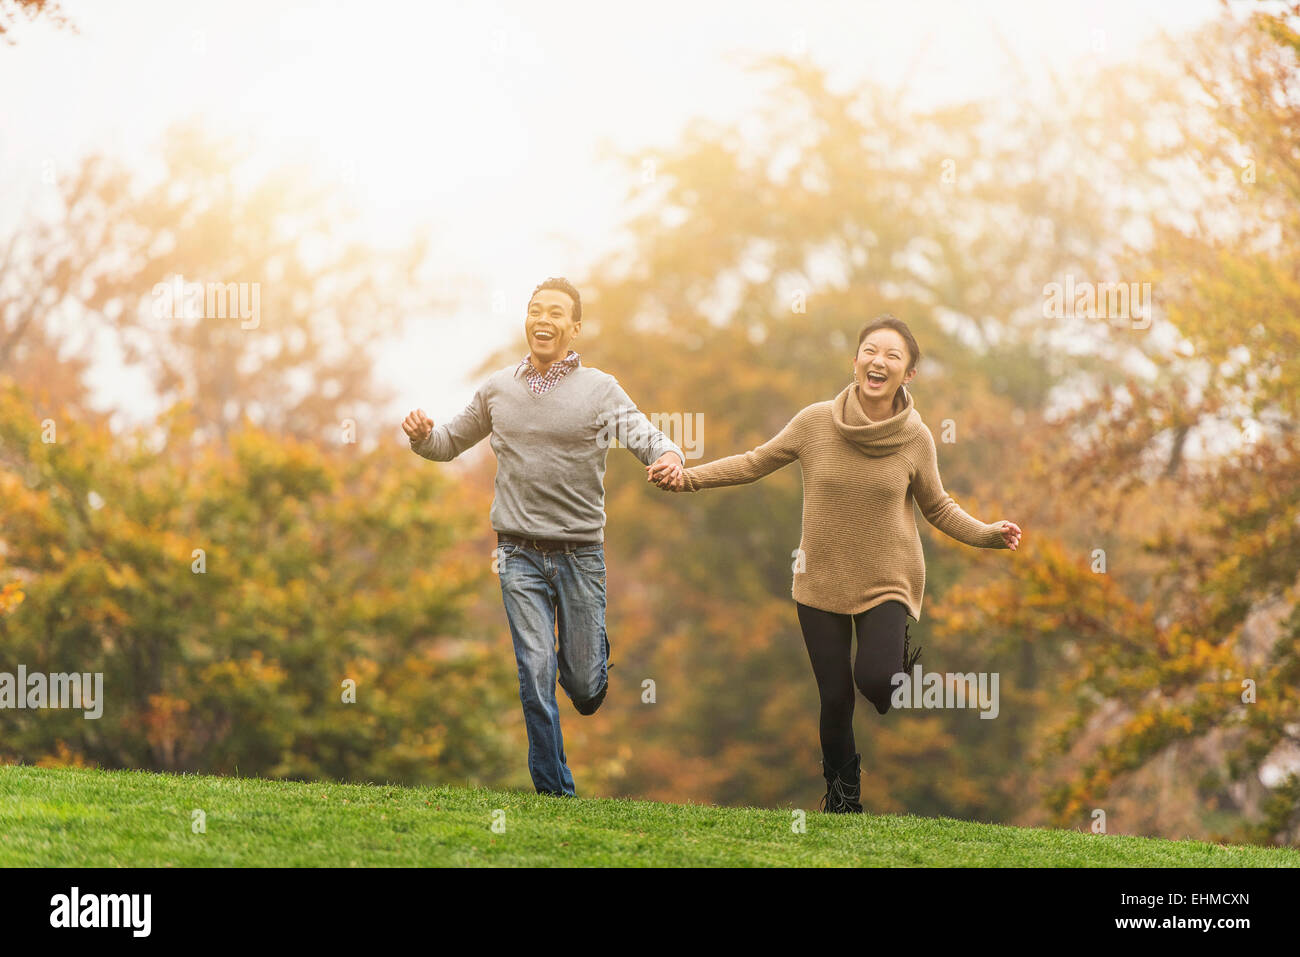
<point>666,472</point>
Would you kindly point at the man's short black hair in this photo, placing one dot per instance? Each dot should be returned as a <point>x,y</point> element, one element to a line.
<point>566,287</point>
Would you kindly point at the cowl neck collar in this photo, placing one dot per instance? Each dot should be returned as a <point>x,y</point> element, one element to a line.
<point>874,438</point>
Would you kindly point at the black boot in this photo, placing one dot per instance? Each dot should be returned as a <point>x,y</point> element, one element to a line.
<point>909,659</point>
<point>843,787</point>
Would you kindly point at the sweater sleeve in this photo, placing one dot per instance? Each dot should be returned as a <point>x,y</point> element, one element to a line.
<point>777,452</point>
<point>467,429</point>
<point>939,508</point>
<point>632,428</point>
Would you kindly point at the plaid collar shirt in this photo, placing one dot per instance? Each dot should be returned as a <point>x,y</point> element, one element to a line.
<point>542,384</point>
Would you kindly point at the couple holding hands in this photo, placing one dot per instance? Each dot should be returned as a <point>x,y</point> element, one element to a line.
<point>866,456</point>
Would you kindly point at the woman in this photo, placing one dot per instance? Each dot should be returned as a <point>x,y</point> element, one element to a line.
<point>866,456</point>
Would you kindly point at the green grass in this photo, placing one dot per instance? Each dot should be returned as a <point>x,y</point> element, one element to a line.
<point>85,818</point>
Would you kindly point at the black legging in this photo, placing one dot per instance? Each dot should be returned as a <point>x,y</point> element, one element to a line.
<point>829,637</point>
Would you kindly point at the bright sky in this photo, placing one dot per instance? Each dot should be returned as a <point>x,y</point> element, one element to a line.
<point>484,123</point>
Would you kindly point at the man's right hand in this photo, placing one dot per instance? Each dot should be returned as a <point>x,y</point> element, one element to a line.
<point>417,425</point>
<point>667,475</point>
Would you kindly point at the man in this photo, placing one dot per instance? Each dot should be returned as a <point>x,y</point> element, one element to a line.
<point>552,420</point>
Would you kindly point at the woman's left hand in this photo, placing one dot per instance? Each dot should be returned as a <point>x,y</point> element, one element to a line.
<point>1011,534</point>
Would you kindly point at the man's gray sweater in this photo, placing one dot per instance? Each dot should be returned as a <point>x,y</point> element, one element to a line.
<point>550,449</point>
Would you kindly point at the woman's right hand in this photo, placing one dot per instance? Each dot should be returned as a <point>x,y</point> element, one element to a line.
<point>670,478</point>
<point>417,425</point>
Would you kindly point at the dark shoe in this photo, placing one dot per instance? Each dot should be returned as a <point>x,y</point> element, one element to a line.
<point>843,787</point>
<point>591,704</point>
<point>909,660</point>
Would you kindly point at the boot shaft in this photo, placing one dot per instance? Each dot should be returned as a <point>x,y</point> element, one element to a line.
<point>843,787</point>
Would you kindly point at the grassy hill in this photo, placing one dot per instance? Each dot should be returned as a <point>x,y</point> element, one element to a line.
<point>74,817</point>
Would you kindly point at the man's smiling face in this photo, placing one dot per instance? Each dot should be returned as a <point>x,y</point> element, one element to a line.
<point>549,326</point>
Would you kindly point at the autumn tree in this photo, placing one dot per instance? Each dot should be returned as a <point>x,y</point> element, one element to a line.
<point>278,607</point>
<point>11,11</point>
<point>1185,682</point>
<point>237,291</point>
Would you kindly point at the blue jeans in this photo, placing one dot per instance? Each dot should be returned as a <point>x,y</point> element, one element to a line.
<point>543,589</point>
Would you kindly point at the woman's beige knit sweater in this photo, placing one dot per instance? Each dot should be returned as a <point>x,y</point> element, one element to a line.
<point>860,544</point>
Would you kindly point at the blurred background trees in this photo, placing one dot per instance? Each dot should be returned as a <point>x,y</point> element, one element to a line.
<point>13,11</point>
<point>1146,634</point>
<point>100,275</point>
